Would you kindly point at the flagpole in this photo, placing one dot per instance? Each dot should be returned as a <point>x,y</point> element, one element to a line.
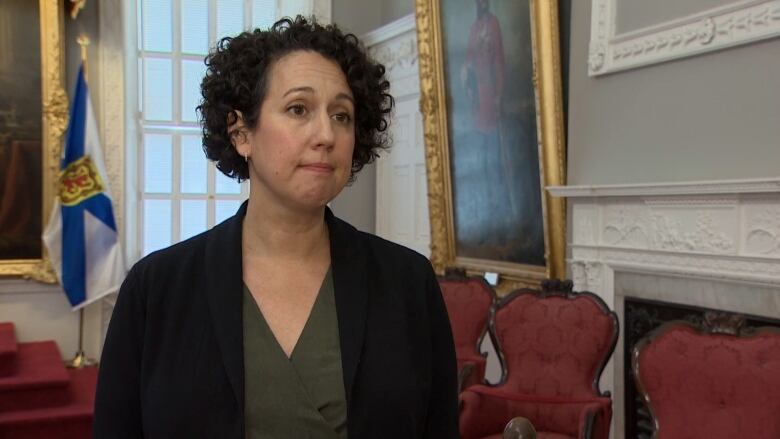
<point>80,359</point>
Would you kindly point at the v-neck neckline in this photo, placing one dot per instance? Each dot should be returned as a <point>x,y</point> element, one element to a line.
<point>314,308</point>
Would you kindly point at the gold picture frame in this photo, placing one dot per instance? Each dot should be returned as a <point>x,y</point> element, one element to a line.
<point>546,79</point>
<point>54,119</point>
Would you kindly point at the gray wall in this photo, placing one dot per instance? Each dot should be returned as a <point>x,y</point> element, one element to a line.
<point>393,10</point>
<point>357,17</point>
<point>714,116</point>
<point>357,203</point>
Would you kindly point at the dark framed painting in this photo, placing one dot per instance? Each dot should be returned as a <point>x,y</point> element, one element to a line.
<point>33,117</point>
<point>490,81</point>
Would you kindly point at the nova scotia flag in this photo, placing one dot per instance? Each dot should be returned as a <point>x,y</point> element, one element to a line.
<point>81,236</point>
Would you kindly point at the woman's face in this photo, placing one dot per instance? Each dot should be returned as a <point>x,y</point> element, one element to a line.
<point>300,152</point>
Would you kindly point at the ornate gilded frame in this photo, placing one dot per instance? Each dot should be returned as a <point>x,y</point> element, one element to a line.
<point>549,104</point>
<point>55,119</point>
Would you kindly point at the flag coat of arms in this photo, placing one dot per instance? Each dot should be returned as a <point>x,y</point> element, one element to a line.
<point>81,236</point>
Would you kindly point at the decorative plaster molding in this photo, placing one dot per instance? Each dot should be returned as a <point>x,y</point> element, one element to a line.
<point>737,23</point>
<point>707,235</point>
<point>389,31</point>
<point>762,230</point>
<point>625,225</point>
<point>584,227</point>
<point>751,186</point>
<point>732,237</point>
<point>587,275</point>
<point>399,56</point>
<point>395,47</point>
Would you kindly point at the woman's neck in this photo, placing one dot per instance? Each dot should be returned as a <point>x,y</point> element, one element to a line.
<point>271,230</point>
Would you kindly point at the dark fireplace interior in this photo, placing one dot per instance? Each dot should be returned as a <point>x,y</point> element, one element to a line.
<point>641,317</point>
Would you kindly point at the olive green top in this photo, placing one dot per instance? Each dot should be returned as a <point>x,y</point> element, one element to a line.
<point>301,396</point>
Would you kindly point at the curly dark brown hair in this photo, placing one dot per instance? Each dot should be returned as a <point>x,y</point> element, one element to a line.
<point>237,76</point>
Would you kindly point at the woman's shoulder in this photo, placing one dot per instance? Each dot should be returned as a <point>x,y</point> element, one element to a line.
<point>179,261</point>
<point>376,248</point>
<point>392,250</point>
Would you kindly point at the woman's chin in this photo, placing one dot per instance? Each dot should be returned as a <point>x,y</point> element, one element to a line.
<point>315,199</point>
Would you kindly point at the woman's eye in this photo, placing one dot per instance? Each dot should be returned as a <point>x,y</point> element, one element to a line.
<point>342,117</point>
<point>298,110</point>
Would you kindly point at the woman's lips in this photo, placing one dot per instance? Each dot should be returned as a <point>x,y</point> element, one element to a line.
<point>318,167</point>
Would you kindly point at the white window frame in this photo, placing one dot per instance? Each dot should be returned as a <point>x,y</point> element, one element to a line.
<point>136,126</point>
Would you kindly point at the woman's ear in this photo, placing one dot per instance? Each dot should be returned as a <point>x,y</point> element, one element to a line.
<point>239,133</point>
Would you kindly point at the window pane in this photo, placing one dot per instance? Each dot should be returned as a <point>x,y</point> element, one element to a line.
<point>157,25</point>
<point>193,218</point>
<point>225,209</point>
<point>191,75</point>
<point>195,26</point>
<point>263,13</point>
<point>157,225</point>
<point>158,89</point>
<point>194,166</point>
<point>230,18</point>
<point>158,163</point>
<point>225,185</point>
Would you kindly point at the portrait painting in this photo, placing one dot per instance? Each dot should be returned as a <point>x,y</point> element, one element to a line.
<point>494,137</point>
<point>33,114</point>
<point>20,130</point>
<point>491,112</point>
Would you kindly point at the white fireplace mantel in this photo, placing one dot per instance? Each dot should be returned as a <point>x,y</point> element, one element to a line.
<point>710,233</point>
<point>717,230</point>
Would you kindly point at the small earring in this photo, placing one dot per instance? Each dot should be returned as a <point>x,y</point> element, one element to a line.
<point>246,158</point>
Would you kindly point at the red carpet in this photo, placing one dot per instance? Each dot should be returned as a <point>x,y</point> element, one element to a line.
<point>7,349</point>
<point>40,398</point>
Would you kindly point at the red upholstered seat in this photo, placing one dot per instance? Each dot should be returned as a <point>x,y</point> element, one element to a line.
<point>703,384</point>
<point>539,435</point>
<point>553,345</point>
<point>468,301</point>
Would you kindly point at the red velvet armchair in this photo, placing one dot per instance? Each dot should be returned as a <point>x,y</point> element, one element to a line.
<point>553,345</point>
<point>468,301</point>
<point>714,381</point>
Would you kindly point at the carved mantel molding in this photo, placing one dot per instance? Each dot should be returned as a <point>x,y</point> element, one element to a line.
<point>727,230</point>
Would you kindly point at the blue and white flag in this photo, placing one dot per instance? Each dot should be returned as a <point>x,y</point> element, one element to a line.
<point>81,236</point>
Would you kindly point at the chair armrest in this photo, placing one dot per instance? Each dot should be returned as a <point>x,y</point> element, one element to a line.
<point>471,371</point>
<point>485,410</point>
<point>481,415</point>
<point>595,421</point>
<point>464,375</point>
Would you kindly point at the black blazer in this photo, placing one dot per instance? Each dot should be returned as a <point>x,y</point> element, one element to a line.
<point>173,360</point>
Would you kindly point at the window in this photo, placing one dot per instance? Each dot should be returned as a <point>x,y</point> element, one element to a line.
<point>179,192</point>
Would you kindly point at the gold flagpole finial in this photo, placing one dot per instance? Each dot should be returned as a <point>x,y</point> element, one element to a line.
<point>83,41</point>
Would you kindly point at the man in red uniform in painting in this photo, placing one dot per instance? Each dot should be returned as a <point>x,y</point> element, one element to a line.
<point>483,72</point>
<point>482,76</point>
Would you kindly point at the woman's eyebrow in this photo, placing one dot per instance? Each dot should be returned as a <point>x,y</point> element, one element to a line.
<point>297,89</point>
<point>307,89</point>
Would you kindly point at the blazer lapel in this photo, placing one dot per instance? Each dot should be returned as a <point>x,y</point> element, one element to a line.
<point>348,263</point>
<point>224,291</point>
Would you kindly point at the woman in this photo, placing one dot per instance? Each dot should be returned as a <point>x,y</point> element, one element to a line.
<point>283,321</point>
